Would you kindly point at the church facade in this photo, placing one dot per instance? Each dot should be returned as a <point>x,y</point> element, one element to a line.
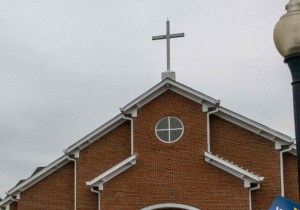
<point>170,148</point>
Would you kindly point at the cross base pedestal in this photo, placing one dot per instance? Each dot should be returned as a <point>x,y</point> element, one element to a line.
<point>168,74</point>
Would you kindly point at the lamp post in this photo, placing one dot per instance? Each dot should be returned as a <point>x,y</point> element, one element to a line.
<point>287,41</point>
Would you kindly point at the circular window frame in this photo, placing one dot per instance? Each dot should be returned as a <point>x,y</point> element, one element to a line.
<point>169,129</point>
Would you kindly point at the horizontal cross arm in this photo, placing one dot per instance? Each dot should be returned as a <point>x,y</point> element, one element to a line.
<point>176,35</point>
<point>165,36</point>
<point>159,37</point>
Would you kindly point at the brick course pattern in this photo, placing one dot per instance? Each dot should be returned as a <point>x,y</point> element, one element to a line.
<point>252,152</point>
<point>55,192</point>
<point>97,158</point>
<point>290,176</point>
<point>164,173</point>
<point>174,172</point>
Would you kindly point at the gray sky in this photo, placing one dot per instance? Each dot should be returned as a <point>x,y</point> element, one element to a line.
<point>67,66</point>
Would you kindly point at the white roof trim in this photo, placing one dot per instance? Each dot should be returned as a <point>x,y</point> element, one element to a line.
<point>112,172</point>
<point>40,175</point>
<point>262,130</point>
<point>169,84</point>
<point>170,205</point>
<point>8,200</point>
<point>96,134</point>
<point>294,150</point>
<point>235,170</point>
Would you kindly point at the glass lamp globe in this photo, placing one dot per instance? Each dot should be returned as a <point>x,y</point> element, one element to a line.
<point>287,30</point>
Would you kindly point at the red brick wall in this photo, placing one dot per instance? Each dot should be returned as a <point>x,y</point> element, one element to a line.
<point>174,172</point>
<point>97,158</point>
<point>252,152</point>
<point>14,206</point>
<point>290,176</point>
<point>55,192</point>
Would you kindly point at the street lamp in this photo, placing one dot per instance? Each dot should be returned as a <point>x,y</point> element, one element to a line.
<point>287,41</point>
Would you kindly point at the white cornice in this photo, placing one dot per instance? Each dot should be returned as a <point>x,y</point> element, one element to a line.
<point>7,201</point>
<point>112,172</point>
<point>169,84</point>
<point>96,134</point>
<point>255,127</point>
<point>294,151</point>
<point>39,176</point>
<point>233,169</point>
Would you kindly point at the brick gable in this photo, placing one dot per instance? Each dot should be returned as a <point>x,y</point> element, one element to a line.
<point>174,172</point>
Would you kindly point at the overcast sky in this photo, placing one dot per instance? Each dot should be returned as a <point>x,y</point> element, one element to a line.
<point>67,66</point>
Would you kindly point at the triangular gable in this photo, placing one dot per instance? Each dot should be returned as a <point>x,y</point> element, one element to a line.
<point>169,84</point>
<point>206,101</point>
<point>131,108</point>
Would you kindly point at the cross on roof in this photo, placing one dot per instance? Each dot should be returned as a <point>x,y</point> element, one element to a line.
<point>168,36</point>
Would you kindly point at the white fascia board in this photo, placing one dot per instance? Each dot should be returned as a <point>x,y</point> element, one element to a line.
<point>293,151</point>
<point>40,175</point>
<point>112,172</point>
<point>169,84</point>
<point>233,169</point>
<point>96,134</point>
<point>8,200</point>
<point>253,126</point>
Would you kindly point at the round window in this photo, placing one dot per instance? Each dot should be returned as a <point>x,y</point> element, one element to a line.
<point>169,129</point>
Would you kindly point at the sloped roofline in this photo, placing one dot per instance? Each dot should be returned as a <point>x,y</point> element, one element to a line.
<point>169,84</point>
<point>60,162</point>
<point>96,134</point>
<point>253,126</point>
<point>6,201</point>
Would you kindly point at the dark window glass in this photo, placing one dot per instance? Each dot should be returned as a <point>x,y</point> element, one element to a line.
<point>163,135</point>
<point>175,134</point>
<point>163,124</point>
<point>175,123</point>
<point>169,129</point>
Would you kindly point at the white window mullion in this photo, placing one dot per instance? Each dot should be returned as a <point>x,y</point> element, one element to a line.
<point>169,127</point>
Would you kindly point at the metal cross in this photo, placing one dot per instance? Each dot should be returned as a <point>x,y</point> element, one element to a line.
<point>168,36</point>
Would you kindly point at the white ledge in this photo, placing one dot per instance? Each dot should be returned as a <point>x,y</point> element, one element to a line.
<point>233,169</point>
<point>112,172</point>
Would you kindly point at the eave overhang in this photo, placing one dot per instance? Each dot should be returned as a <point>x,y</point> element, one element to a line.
<point>294,150</point>
<point>278,138</point>
<point>39,176</point>
<point>169,84</point>
<point>96,134</point>
<point>7,201</point>
<point>248,177</point>
<point>112,172</point>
